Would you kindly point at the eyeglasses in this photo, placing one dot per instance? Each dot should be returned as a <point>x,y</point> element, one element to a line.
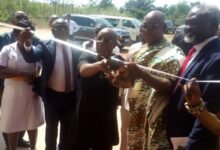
<point>21,17</point>
<point>61,29</point>
<point>103,40</point>
<point>150,26</point>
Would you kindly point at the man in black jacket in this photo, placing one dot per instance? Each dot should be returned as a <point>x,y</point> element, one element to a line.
<point>58,83</point>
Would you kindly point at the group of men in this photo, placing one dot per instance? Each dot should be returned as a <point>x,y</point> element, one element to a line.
<point>159,116</point>
<point>80,90</point>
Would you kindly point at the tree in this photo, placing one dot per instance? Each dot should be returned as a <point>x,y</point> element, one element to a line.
<point>92,3</point>
<point>106,4</point>
<point>139,8</point>
<point>177,13</point>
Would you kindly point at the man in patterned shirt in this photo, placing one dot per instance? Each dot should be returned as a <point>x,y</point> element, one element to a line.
<point>150,93</point>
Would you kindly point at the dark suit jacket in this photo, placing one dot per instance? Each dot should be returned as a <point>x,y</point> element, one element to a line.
<point>180,123</point>
<point>46,52</point>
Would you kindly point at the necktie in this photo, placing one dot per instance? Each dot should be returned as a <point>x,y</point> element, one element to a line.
<point>67,69</point>
<point>186,61</point>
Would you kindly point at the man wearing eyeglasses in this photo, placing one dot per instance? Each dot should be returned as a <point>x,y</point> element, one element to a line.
<point>58,83</point>
<point>147,97</point>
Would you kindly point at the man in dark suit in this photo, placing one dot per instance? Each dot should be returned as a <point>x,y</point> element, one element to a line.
<point>185,131</point>
<point>57,73</point>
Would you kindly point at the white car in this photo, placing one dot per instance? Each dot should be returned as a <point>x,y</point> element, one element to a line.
<point>132,25</point>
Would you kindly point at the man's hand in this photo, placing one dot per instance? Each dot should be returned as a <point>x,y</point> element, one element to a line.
<point>102,65</point>
<point>134,71</point>
<point>192,92</point>
<point>25,37</point>
<point>115,63</point>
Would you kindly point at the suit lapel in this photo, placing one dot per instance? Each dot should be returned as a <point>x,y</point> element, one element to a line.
<point>51,57</point>
<point>202,54</point>
<point>74,66</point>
<point>52,50</point>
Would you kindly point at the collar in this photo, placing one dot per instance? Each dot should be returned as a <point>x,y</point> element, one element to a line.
<point>199,46</point>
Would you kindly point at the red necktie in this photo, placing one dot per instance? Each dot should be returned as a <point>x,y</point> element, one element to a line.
<point>67,69</point>
<point>188,57</point>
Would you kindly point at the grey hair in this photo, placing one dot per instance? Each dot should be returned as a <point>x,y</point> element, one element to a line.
<point>211,13</point>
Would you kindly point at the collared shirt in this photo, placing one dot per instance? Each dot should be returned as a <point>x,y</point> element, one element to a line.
<point>199,47</point>
<point>57,79</point>
<point>73,26</point>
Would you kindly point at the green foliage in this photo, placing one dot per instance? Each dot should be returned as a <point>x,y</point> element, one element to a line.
<point>40,12</point>
<point>106,4</point>
<point>177,13</point>
<point>139,8</point>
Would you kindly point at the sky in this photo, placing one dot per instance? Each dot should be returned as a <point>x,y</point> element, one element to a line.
<point>120,3</point>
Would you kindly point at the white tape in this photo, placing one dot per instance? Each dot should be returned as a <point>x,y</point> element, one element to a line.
<point>208,81</point>
<point>76,47</point>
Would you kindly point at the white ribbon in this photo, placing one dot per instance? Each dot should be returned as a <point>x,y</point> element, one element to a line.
<point>76,47</point>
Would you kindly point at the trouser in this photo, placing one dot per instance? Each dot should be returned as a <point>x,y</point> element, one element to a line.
<point>95,147</point>
<point>59,108</point>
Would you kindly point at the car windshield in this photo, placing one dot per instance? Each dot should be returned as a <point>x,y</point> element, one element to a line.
<point>136,22</point>
<point>103,21</point>
<point>169,23</point>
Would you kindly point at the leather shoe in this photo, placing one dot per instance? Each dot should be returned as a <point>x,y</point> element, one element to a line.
<point>24,144</point>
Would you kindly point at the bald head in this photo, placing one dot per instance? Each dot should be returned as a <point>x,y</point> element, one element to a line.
<point>108,32</point>
<point>158,16</point>
<point>106,41</point>
<point>152,28</point>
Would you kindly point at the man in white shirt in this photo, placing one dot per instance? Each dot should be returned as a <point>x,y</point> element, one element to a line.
<point>58,82</point>
<point>73,26</point>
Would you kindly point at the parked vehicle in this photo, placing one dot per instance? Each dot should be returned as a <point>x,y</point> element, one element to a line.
<point>170,27</point>
<point>87,28</point>
<point>123,35</point>
<point>132,25</point>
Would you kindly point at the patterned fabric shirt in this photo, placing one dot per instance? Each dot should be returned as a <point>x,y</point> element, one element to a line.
<point>147,129</point>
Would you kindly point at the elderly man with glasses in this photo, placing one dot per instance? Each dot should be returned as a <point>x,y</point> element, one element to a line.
<point>147,97</point>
